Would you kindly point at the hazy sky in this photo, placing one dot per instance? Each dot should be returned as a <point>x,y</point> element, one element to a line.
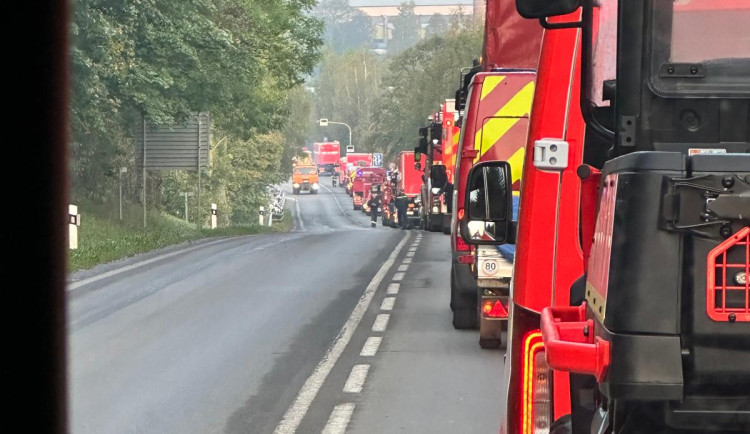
<point>417,2</point>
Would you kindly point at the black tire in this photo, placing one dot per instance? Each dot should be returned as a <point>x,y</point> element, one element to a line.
<point>447,228</point>
<point>465,318</point>
<point>564,425</point>
<point>435,226</point>
<point>465,310</point>
<point>453,292</point>
<point>295,191</point>
<point>489,344</point>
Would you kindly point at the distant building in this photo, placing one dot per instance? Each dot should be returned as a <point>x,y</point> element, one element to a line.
<point>381,11</point>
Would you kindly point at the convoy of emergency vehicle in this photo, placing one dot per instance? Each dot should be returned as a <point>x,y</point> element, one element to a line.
<point>593,173</point>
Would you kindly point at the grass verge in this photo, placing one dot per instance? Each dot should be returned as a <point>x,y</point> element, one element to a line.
<point>102,239</point>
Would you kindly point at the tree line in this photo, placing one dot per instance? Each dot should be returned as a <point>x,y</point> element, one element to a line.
<point>241,60</point>
<point>385,99</point>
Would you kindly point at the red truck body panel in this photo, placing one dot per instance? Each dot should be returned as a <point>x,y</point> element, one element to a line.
<point>359,159</point>
<point>411,178</point>
<point>366,175</point>
<point>326,153</point>
<point>451,134</point>
<point>510,41</point>
<point>549,257</point>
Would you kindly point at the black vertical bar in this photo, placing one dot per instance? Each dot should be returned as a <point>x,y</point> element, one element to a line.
<point>35,225</point>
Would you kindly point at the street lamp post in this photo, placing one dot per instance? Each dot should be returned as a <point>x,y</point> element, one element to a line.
<point>186,194</point>
<point>325,122</point>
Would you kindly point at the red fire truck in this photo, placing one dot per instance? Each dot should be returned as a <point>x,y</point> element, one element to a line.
<point>407,179</point>
<point>497,103</point>
<point>630,304</point>
<point>326,155</point>
<point>364,177</point>
<point>438,143</point>
<point>357,159</point>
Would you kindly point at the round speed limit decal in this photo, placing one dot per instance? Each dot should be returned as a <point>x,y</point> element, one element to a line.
<point>489,267</point>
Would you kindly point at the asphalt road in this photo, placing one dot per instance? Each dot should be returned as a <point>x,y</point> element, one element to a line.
<point>334,327</point>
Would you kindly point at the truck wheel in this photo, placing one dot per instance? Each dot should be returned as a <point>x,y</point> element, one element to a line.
<point>465,318</point>
<point>465,309</point>
<point>564,425</point>
<point>295,191</point>
<point>495,344</point>
<point>453,292</point>
<point>489,344</point>
<point>435,226</point>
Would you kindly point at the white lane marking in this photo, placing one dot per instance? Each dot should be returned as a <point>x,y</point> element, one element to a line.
<point>356,379</point>
<point>403,267</point>
<point>79,283</point>
<point>335,198</point>
<point>371,346</point>
<point>409,254</point>
<point>398,276</point>
<point>393,288</point>
<point>388,303</point>
<point>339,419</point>
<point>412,249</point>
<point>407,260</point>
<point>296,412</point>
<point>381,322</point>
<point>299,215</point>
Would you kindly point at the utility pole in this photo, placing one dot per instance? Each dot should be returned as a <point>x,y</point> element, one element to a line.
<point>186,194</point>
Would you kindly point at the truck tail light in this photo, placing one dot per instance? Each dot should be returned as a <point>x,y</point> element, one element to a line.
<point>461,245</point>
<point>466,259</point>
<point>727,285</point>
<point>535,395</point>
<point>494,309</point>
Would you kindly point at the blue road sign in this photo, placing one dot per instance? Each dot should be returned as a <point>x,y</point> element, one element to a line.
<point>377,160</point>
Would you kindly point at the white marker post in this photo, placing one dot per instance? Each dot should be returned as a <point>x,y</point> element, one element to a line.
<point>214,210</point>
<point>74,220</point>
<point>260,215</point>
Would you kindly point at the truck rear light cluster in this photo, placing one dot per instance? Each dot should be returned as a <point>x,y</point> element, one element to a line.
<point>727,286</point>
<point>466,259</point>
<point>461,245</point>
<point>494,309</point>
<point>536,395</point>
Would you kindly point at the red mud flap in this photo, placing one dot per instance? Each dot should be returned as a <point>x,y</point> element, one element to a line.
<point>570,344</point>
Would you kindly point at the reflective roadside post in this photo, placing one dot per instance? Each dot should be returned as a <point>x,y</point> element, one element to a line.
<point>119,179</point>
<point>213,216</point>
<point>262,211</point>
<point>74,220</point>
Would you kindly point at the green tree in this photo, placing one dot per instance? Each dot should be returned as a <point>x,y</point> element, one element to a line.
<point>417,81</point>
<point>405,28</point>
<point>346,27</point>
<point>437,25</point>
<point>345,91</point>
<point>238,59</point>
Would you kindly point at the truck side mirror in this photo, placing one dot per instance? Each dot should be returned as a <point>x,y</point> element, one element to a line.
<point>546,8</point>
<point>488,204</point>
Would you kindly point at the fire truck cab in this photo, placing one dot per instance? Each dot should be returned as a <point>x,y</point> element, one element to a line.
<point>636,316</point>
